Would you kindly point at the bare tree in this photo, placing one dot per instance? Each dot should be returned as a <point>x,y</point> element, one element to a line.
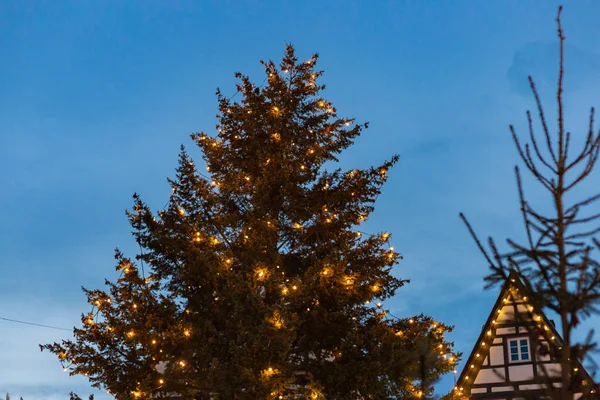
<point>558,263</point>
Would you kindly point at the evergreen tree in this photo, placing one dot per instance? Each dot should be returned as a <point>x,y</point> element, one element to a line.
<point>559,261</point>
<point>260,284</point>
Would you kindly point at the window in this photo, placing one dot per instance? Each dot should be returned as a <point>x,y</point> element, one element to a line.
<point>519,349</point>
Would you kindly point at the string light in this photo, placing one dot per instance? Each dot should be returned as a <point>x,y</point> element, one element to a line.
<point>277,320</point>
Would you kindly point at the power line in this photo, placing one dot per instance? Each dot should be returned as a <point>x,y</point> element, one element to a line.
<point>34,324</point>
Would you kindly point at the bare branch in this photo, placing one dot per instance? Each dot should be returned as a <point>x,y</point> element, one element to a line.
<point>476,239</point>
<point>535,146</point>
<point>559,92</point>
<point>538,102</point>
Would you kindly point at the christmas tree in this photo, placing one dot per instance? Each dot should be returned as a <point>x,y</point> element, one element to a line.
<point>257,282</point>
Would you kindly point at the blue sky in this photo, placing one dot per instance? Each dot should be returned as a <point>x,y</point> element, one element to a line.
<point>97,96</point>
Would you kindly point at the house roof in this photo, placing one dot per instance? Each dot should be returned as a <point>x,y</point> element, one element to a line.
<point>481,349</point>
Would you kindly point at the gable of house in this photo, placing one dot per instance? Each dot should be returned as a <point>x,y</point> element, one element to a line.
<point>513,355</point>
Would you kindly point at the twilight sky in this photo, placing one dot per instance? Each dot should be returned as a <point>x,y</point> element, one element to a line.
<point>97,96</point>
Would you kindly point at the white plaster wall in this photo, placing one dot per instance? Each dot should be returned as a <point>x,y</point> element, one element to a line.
<point>531,387</point>
<point>505,331</point>
<point>521,308</point>
<point>518,373</point>
<point>492,375</point>
<point>551,369</point>
<point>540,357</point>
<point>479,390</point>
<point>506,315</point>
<point>496,355</point>
<point>503,389</point>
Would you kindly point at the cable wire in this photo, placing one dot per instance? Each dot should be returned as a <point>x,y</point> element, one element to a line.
<point>34,324</point>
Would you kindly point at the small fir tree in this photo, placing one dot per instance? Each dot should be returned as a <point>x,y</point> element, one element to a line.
<point>559,262</point>
<point>260,284</point>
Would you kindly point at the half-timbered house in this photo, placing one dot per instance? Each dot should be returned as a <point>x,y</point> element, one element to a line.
<point>513,357</point>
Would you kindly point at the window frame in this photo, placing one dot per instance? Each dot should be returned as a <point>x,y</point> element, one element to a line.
<point>519,352</point>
